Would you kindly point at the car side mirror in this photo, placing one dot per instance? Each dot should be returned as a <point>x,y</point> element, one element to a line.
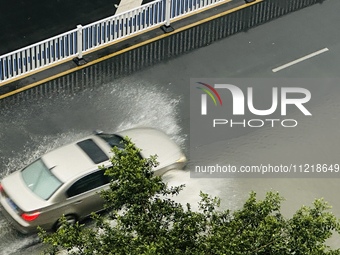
<point>97,132</point>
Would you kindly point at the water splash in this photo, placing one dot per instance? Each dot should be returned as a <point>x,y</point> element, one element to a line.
<point>41,124</point>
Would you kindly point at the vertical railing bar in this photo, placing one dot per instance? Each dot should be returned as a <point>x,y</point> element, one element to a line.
<point>8,67</point>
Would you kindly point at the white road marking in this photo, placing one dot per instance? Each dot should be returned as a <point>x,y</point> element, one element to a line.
<point>300,60</point>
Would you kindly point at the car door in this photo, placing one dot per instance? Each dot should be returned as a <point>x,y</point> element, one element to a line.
<point>84,194</point>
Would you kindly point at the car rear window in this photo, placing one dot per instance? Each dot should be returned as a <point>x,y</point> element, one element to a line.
<point>40,179</point>
<point>93,151</point>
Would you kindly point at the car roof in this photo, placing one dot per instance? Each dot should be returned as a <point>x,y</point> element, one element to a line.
<point>78,158</point>
<point>154,142</point>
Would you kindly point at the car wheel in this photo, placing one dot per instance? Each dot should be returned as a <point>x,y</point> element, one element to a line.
<point>70,218</point>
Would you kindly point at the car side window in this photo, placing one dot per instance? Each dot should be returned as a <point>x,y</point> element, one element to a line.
<point>88,182</point>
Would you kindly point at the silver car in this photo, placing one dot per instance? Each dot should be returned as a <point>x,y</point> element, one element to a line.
<point>67,181</point>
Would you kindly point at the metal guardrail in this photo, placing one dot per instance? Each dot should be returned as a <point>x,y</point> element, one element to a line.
<point>38,55</point>
<point>122,25</point>
<point>85,38</point>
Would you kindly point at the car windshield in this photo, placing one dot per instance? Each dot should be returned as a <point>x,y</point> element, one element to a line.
<point>112,140</point>
<point>40,179</point>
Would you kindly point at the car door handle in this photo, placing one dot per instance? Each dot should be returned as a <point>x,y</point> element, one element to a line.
<point>78,202</point>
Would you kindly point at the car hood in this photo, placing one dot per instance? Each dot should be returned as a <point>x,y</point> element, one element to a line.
<point>20,194</point>
<point>154,142</point>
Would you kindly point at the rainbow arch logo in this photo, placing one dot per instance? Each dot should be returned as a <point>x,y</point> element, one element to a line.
<point>212,93</point>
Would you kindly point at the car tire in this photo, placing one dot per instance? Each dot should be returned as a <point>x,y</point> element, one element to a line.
<point>71,218</point>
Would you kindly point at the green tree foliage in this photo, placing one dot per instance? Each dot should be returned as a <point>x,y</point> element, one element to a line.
<point>144,219</point>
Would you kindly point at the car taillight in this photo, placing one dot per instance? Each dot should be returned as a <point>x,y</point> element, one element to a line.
<point>1,188</point>
<point>30,216</point>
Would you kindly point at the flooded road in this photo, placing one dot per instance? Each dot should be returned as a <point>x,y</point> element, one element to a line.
<point>42,124</point>
<point>159,97</point>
